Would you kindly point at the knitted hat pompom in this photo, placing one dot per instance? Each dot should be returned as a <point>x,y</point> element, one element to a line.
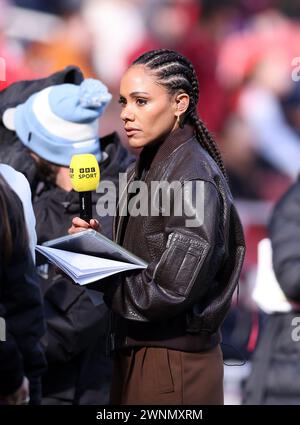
<point>93,94</point>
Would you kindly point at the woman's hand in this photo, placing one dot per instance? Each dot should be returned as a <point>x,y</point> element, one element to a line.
<point>78,225</point>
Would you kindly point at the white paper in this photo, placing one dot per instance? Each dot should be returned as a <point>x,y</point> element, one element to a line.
<point>84,269</point>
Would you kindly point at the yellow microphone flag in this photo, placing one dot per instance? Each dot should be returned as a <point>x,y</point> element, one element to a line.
<point>84,172</point>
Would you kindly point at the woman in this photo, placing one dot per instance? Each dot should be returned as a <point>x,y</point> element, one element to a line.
<point>166,319</point>
<point>21,357</point>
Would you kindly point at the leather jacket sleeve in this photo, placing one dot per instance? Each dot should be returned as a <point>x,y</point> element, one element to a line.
<point>183,274</point>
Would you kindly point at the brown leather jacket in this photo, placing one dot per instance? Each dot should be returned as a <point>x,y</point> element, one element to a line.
<point>180,300</point>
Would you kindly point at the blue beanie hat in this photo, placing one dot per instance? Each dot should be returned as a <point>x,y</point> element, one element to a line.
<point>61,121</point>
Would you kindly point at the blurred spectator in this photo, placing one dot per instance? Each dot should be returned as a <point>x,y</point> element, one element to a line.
<point>12,65</point>
<point>274,374</point>
<point>71,43</point>
<point>250,175</point>
<point>116,27</point>
<point>260,58</point>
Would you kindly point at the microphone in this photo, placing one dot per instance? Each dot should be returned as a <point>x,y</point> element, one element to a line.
<point>85,177</point>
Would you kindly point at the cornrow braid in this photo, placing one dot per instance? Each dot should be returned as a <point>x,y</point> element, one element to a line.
<point>207,142</point>
<point>176,73</point>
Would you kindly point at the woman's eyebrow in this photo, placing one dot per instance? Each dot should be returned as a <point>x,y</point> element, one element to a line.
<point>137,93</point>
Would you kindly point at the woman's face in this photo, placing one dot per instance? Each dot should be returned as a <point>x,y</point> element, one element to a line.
<point>148,110</point>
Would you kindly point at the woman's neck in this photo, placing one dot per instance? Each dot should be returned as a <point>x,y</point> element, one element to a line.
<point>160,150</point>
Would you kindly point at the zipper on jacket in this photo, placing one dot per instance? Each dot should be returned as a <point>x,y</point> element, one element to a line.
<point>170,237</point>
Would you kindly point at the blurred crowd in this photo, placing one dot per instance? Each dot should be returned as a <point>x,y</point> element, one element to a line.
<point>247,57</point>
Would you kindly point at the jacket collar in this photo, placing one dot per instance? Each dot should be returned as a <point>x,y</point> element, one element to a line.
<point>152,155</point>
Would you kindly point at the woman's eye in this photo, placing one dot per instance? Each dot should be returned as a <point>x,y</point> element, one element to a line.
<point>141,101</point>
<point>122,102</point>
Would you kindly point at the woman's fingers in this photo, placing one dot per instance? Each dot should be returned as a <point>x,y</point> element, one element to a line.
<point>79,225</point>
<point>95,224</point>
<point>79,222</point>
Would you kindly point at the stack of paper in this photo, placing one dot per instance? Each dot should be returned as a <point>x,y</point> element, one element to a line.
<point>84,269</point>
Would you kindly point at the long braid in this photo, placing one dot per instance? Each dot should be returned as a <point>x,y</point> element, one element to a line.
<point>207,142</point>
<point>176,73</point>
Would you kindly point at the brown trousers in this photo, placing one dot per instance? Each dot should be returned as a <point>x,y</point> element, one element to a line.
<point>149,375</point>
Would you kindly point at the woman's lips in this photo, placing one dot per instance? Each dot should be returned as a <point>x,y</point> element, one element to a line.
<point>131,131</point>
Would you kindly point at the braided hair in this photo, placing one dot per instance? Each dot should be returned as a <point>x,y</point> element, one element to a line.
<point>176,73</point>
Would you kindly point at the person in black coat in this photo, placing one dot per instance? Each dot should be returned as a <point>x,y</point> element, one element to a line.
<point>276,362</point>
<point>22,360</point>
<point>79,370</point>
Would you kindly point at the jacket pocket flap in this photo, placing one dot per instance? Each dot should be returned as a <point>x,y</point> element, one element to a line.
<point>181,263</point>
